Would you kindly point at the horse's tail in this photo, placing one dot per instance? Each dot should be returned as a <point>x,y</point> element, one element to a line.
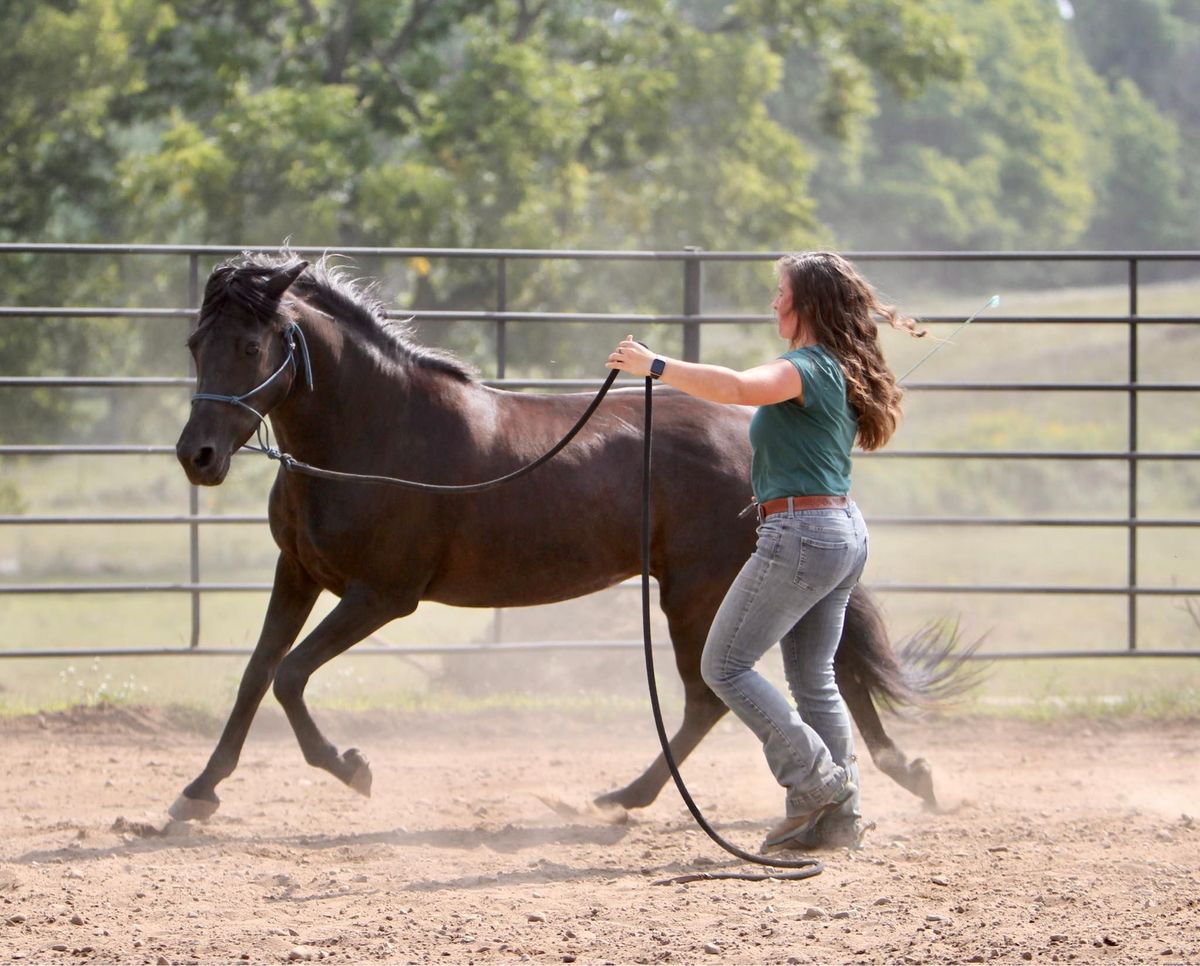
<point>929,669</point>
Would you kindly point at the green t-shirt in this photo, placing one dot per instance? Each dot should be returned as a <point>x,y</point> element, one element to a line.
<point>803,449</point>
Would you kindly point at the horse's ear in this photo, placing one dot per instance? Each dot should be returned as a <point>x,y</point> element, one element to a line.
<point>279,283</point>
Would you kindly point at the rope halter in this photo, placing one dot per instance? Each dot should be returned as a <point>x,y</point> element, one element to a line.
<point>293,337</point>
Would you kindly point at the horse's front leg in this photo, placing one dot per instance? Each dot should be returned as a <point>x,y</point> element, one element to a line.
<point>292,597</point>
<point>688,619</point>
<point>360,612</point>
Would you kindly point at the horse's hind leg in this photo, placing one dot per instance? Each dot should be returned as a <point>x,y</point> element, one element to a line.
<point>292,597</point>
<point>916,776</point>
<point>866,663</point>
<point>360,612</point>
<point>701,710</point>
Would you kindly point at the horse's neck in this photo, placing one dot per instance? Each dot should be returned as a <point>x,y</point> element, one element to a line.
<point>355,397</point>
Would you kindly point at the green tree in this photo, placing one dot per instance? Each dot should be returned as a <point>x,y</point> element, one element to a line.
<point>500,124</point>
<point>1151,191</point>
<point>66,67</point>
<point>1141,200</point>
<point>998,159</point>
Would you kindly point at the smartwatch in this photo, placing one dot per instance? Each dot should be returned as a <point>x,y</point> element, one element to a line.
<point>657,367</point>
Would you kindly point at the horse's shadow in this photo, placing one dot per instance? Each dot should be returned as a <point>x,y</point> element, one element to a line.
<point>511,839</point>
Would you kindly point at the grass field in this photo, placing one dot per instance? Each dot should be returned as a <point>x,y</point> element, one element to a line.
<point>1068,556</point>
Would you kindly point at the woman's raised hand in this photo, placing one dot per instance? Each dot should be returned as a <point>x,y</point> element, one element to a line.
<point>632,357</point>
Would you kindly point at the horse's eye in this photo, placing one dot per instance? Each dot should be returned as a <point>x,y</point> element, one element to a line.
<point>252,348</point>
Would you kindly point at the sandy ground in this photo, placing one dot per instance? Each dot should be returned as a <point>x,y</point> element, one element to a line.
<point>1065,843</point>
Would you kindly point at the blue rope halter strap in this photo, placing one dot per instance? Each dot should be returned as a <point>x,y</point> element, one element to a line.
<point>293,337</point>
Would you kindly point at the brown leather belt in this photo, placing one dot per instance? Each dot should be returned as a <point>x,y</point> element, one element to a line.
<point>787,503</point>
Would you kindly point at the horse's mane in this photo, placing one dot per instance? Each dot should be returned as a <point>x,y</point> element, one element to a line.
<point>339,296</point>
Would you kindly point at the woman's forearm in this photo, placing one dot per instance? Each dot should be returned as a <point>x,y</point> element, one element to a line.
<point>717,384</point>
<point>761,386</point>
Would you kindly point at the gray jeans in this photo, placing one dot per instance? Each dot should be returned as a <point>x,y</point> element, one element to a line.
<point>794,589</point>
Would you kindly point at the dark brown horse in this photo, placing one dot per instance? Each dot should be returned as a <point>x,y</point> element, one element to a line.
<point>378,404</point>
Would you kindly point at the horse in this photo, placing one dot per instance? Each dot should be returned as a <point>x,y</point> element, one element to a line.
<point>362,397</point>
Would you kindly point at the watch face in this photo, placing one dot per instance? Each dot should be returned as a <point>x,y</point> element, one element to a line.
<point>657,367</point>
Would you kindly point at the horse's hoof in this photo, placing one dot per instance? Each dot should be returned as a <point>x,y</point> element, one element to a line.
<point>186,809</point>
<point>360,771</point>
<point>921,782</point>
<point>618,799</point>
<point>608,800</point>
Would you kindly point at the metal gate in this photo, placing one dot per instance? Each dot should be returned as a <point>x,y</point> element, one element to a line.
<point>691,267</point>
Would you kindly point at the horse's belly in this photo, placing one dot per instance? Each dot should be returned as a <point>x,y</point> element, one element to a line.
<point>524,566</point>
<point>516,597</point>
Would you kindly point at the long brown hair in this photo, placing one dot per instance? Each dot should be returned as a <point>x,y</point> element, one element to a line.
<point>841,309</point>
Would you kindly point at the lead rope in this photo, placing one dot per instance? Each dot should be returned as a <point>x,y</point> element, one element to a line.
<point>803,868</point>
<point>293,337</point>
<point>290,462</point>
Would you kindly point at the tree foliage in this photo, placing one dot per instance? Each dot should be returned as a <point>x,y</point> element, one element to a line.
<point>455,122</point>
<point>1148,54</point>
<point>1032,148</point>
<point>652,123</point>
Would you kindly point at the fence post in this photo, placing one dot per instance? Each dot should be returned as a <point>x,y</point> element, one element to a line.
<point>501,324</point>
<point>693,297</point>
<point>194,491</point>
<point>1132,639</point>
<point>501,367</point>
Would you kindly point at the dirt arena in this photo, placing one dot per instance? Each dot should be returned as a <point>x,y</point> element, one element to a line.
<point>1074,842</point>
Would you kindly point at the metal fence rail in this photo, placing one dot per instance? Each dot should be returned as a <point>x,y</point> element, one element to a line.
<point>690,264</point>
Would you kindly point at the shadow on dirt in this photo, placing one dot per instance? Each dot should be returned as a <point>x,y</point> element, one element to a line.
<point>510,839</point>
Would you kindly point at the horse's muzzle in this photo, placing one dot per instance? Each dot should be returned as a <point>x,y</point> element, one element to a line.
<point>204,465</point>
<point>205,450</point>
<point>210,437</point>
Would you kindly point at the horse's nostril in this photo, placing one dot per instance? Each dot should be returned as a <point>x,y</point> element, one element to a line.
<point>203,457</point>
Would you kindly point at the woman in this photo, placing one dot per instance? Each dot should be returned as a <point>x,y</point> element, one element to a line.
<point>830,388</point>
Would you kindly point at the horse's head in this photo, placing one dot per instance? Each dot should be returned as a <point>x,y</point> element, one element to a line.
<point>246,363</point>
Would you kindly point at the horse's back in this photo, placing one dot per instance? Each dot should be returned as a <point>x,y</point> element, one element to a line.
<point>573,526</point>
